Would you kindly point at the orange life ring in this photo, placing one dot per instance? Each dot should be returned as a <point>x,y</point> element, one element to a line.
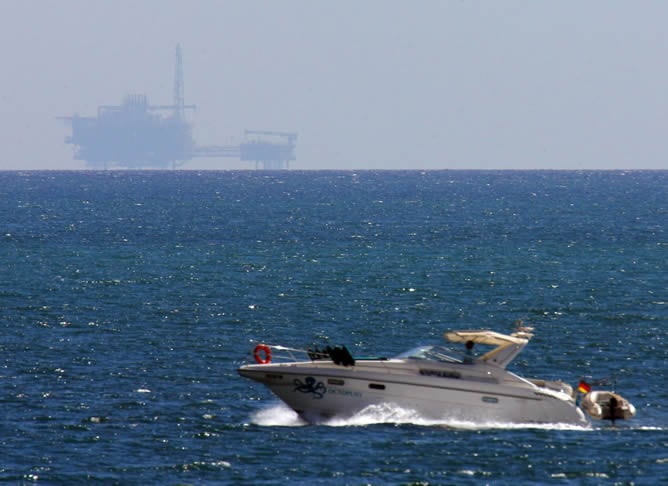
<point>262,349</point>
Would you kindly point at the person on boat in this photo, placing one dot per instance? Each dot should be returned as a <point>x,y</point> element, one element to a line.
<point>468,355</point>
<point>612,406</point>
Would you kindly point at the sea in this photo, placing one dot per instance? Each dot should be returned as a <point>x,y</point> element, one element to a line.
<point>128,300</point>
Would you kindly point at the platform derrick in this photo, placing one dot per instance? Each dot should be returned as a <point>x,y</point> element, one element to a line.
<point>137,135</point>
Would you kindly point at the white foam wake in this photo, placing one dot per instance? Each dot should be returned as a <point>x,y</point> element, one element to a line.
<point>390,413</point>
<point>277,415</point>
<point>280,415</point>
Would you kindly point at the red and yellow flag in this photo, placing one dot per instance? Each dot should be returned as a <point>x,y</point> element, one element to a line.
<point>583,387</point>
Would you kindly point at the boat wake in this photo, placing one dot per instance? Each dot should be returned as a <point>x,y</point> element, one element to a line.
<point>277,415</point>
<point>280,415</point>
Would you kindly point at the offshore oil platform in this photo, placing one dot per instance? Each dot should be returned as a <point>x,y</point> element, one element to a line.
<point>138,135</point>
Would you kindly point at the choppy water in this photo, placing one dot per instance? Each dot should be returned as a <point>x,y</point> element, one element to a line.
<point>128,300</point>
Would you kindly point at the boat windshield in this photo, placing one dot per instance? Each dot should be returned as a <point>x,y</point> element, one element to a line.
<point>432,353</point>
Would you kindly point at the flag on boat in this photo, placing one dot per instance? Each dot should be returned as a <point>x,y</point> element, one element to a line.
<point>583,387</point>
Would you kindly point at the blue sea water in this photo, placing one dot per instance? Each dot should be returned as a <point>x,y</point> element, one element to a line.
<point>129,299</point>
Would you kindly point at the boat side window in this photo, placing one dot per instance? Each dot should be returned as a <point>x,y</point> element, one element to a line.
<point>431,353</point>
<point>415,353</point>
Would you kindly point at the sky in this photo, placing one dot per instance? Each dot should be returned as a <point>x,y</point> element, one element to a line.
<point>367,84</point>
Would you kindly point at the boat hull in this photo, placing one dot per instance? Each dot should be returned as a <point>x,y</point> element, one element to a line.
<point>321,391</point>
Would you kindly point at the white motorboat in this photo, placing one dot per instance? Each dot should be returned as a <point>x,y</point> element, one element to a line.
<point>433,381</point>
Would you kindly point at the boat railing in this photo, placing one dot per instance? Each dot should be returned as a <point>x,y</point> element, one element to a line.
<point>273,353</point>
<point>280,354</point>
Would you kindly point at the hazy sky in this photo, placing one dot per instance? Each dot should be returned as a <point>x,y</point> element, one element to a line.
<point>366,84</point>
